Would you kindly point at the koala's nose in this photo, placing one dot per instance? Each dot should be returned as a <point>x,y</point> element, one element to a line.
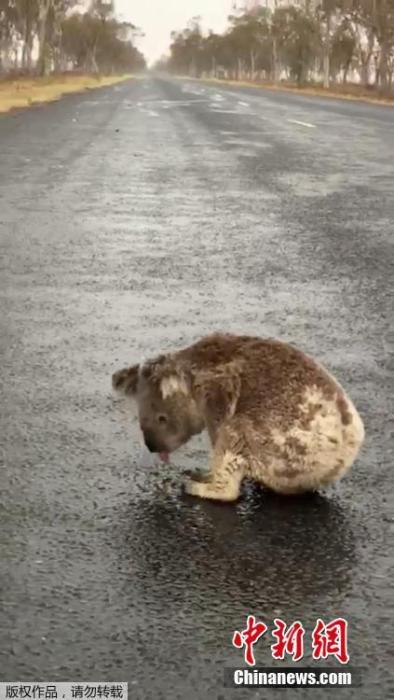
<point>149,442</point>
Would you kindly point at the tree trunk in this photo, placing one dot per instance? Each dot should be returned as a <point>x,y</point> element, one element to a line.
<point>5,60</point>
<point>252,64</point>
<point>93,63</point>
<point>302,68</point>
<point>364,73</point>
<point>366,58</point>
<point>383,70</point>
<point>301,74</point>
<point>275,62</point>
<point>24,57</point>
<point>27,45</point>
<point>377,77</point>
<point>43,12</point>
<point>57,43</point>
<point>345,72</point>
<point>239,68</point>
<point>213,67</point>
<point>326,55</point>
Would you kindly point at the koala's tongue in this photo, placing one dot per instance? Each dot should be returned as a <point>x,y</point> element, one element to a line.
<point>164,456</point>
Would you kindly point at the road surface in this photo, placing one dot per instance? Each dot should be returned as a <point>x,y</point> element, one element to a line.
<point>134,219</point>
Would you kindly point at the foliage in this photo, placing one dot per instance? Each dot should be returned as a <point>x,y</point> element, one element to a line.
<point>308,40</point>
<point>51,35</point>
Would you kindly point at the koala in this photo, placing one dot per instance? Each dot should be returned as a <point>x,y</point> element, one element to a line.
<point>272,413</point>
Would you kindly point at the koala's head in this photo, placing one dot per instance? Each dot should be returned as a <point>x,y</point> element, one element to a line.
<point>168,414</point>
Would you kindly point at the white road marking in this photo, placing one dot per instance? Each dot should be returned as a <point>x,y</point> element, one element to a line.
<point>218,110</point>
<point>150,112</point>
<point>191,90</point>
<point>243,104</point>
<point>181,103</point>
<point>295,121</point>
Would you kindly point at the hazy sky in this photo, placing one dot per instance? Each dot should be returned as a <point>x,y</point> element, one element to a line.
<point>157,18</point>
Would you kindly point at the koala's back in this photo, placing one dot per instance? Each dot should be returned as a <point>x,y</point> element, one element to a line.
<point>273,373</point>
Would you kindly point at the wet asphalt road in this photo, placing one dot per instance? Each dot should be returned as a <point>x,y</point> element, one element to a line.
<point>137,218</point>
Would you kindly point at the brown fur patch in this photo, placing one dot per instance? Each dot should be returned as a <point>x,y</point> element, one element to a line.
<point>273,375</point>
<point>333,440</point>
<point>289,473</point>
<point>218,392</point>
<point>343,409</point>
<point>309,414</point>
<point>295,446</point>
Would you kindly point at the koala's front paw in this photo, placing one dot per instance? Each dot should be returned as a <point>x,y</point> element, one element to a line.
<point>194,488</point>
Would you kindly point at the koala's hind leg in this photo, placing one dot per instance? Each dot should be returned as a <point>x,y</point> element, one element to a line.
<point>223,482</point>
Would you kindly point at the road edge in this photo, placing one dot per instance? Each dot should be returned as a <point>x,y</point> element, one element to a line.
<point>307,92</point>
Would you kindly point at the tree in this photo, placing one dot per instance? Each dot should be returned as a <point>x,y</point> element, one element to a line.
<point>8,18</point>
<point>43,13</point>
<point>323,37</point>
<point>326,12</point>
<point>50,16</point>
<point>343,49</point>
<point>249,38</point>
<point>375,18</point>
<point>382,15</point>
<point>186,49</point>
<point>298,40</point>
<point>26,24</point>
<point>94,40</point>
<point>93,44</point>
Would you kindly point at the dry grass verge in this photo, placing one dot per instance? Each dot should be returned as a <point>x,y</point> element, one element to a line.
<point>24,92</point>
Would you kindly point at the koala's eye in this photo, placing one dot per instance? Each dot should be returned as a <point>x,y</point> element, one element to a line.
<point>162,418</point>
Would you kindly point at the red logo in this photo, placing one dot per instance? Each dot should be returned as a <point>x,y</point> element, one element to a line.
<point>330,639</point>
<point>248,637</point>
<point>327,639</point>
<point>289,641</point>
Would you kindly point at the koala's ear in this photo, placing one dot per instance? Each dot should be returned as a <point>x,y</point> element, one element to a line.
<point>152,368</point>
<point>126,380</point>
<point>168,374</point>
